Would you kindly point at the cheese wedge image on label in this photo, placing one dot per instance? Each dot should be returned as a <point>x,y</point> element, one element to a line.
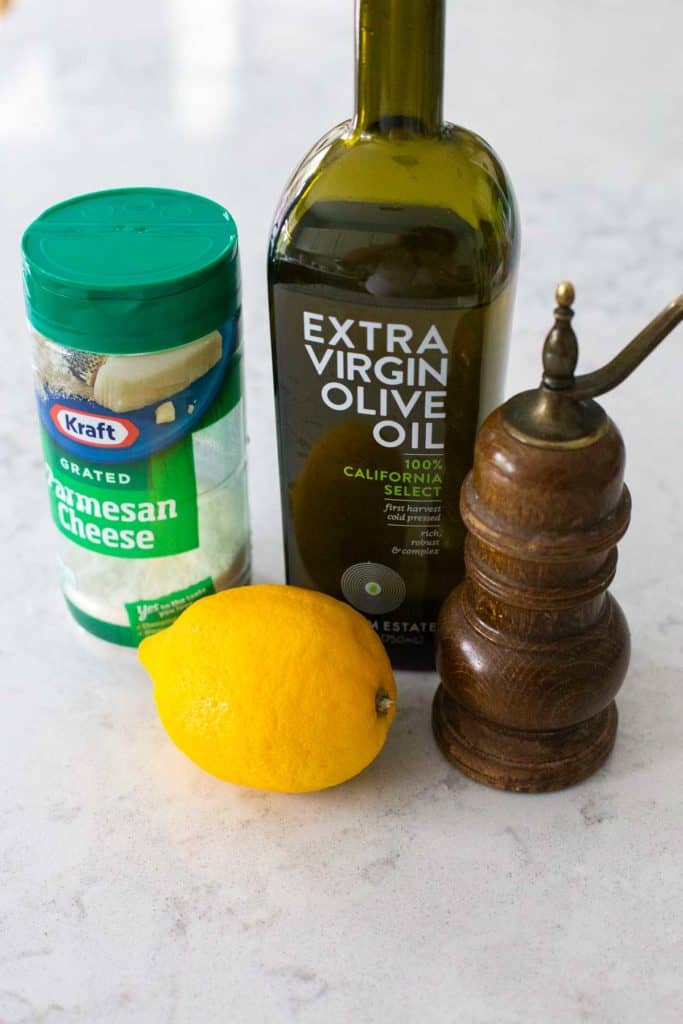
<point>131,382</point>
<point>165,413</point>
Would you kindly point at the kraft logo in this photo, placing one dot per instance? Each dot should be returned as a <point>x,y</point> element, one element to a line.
<point>92,429</point>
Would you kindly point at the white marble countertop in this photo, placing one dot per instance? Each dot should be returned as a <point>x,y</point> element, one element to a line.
<point>134,888</point>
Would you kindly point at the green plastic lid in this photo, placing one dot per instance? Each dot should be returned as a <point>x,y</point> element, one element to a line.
<point>131,270</point>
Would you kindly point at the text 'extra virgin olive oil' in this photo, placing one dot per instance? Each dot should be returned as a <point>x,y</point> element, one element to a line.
<point>392,270</point>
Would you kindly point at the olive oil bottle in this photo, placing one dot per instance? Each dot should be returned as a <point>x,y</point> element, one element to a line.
<point>392,269</point>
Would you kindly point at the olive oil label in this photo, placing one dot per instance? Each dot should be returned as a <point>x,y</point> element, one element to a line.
<point>377,409</point>
<point>383,370</point>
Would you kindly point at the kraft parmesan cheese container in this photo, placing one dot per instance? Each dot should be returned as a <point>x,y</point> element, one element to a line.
<point>133,303</point>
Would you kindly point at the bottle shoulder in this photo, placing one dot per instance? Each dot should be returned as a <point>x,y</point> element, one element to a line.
<point>456,170</point>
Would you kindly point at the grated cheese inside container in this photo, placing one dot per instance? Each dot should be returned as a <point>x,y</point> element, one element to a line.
<point>133,301</point>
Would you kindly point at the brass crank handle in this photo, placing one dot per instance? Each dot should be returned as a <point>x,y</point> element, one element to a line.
<point>560,352</point>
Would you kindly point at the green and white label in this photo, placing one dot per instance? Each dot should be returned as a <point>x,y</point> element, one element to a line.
<point>143,509</point>
<point>144,459</point>
<point>148,617</point>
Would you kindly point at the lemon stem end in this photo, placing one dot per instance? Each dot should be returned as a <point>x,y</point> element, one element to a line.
<point>383,702</point>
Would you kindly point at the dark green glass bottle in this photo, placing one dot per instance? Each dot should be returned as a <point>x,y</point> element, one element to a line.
<point>392,270</point>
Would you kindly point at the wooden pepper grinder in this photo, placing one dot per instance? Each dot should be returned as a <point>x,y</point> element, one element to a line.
<point>531,647</point>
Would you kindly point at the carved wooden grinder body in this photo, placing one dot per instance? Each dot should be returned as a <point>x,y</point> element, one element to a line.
<point>532,648</point>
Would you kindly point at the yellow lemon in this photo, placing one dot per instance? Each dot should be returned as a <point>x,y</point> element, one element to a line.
<point>273,687</point>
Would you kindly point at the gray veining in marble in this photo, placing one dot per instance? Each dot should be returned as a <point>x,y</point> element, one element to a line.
<point>135,889</point>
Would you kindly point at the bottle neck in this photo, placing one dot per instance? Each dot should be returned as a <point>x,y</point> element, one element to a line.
<point>399,66</point>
